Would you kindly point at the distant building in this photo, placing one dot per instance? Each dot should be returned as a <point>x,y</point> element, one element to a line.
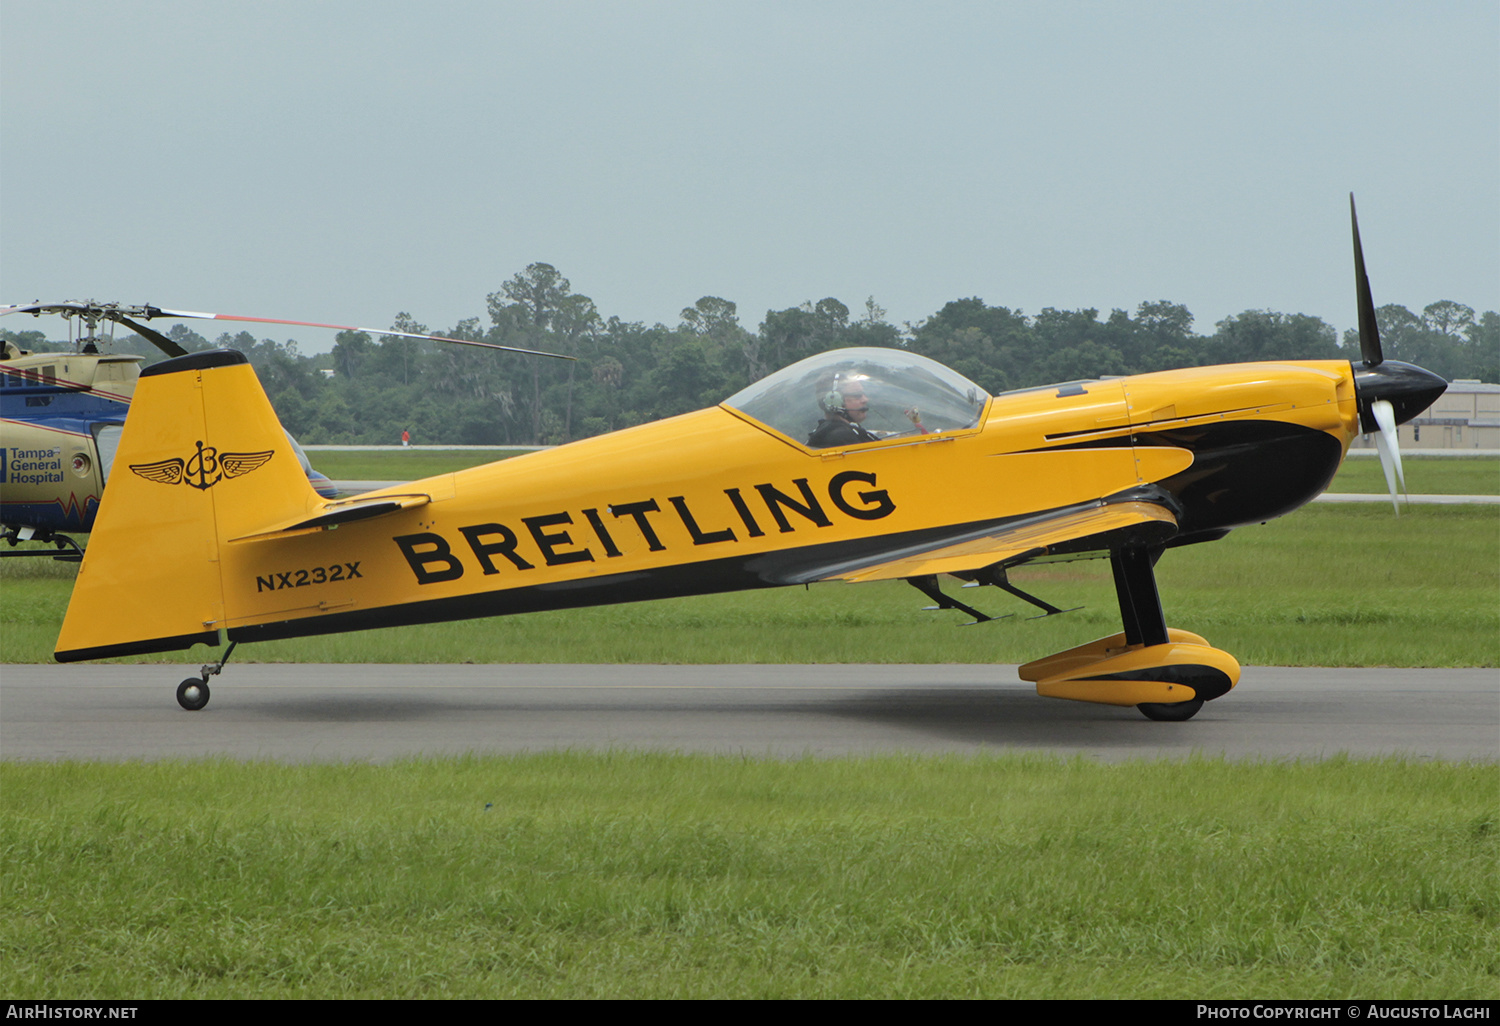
<point>1467,416</point>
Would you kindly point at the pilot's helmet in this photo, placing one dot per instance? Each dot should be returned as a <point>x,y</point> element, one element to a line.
<point>834,390</point>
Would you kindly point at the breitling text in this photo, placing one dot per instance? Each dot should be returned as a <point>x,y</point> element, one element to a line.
<point>432,557</point>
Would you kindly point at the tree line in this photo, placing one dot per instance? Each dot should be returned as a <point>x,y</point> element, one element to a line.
<point>369,389</point>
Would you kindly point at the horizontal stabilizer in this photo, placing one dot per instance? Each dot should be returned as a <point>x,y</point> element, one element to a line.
<point>346,512</point>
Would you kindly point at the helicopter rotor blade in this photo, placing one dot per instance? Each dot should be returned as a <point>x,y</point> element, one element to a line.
<point>159,312</point>
<point>67,308</point>
<point>116,312</point>
<point>153,336</point>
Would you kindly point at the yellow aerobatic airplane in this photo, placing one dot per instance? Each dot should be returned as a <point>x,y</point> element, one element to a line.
<point>852,465</point>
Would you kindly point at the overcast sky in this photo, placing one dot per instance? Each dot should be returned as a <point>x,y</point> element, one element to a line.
<point>344,161</point>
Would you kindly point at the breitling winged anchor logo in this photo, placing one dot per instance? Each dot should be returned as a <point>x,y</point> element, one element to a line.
<point>204,469</point>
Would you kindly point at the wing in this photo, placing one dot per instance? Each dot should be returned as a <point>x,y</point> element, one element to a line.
<point>162,471</point>
<point>236,463</point>
<point>1103,525</point>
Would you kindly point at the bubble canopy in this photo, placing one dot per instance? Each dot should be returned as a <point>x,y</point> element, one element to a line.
<point>793,400</point>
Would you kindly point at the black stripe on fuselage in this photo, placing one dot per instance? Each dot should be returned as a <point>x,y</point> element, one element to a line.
<point>172,644</point>
<point>1243,472</point>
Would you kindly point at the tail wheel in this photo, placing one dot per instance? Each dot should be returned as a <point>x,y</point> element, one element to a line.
<point>1174,712</point>
<point>192,694</point>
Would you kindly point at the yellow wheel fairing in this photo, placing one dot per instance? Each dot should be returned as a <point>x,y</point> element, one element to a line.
<point>1061,663</point>
<point>1156,674</point>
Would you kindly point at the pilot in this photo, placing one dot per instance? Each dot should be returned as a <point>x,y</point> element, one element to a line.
<point>845,407</point>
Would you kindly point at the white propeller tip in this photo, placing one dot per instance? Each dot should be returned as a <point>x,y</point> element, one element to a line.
<point>1389,444</point>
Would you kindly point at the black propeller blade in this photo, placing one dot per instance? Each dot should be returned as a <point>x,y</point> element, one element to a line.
<point>1388,394</point>
<point>1369,332</point>
<point>1404,387</point>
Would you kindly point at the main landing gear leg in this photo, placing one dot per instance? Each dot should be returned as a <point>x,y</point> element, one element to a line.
<point>1135,587</point>
<point>192,694</point>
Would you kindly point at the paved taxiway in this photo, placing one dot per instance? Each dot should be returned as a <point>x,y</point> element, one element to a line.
<point>301,713</point>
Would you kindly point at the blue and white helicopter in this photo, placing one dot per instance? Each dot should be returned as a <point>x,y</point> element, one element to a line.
<point>61,415</point>
<point>60,420</point>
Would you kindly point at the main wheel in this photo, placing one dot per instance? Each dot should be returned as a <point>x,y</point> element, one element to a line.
<point>192,694</point>
<point>1170,712</point>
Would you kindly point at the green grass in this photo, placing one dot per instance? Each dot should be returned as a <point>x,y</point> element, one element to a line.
<point>645,875</point>
<point>1425,475</point>
<point>635,875</point>
<point>1331,585</point>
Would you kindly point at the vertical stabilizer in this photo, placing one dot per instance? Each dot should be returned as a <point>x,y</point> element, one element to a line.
<point>202,459</point>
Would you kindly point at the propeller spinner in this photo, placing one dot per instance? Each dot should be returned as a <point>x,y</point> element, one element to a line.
<point>1389,392</point>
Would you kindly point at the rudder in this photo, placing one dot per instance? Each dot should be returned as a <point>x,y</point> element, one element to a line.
<point>202,459</point>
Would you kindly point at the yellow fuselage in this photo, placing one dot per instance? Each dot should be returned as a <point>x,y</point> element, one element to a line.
<point>710,501</point>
